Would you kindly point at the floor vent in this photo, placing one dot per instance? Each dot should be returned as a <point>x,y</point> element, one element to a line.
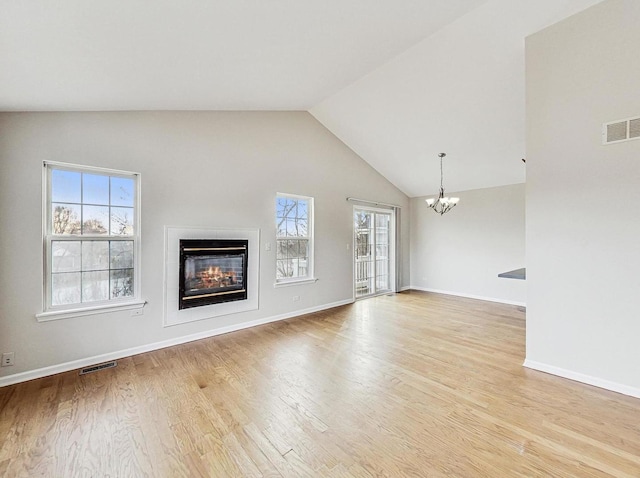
<point>98,367</point>
<point>621,130</point>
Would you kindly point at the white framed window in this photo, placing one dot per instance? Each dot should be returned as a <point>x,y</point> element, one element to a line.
<point>91,235</point>
<point>294,239</point>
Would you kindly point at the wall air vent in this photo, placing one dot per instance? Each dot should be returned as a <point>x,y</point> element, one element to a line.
<point>621,130</point>
<point>98,367</point>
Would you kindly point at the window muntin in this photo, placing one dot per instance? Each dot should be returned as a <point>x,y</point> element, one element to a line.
<point>91,236</point>
<point>294,238</point>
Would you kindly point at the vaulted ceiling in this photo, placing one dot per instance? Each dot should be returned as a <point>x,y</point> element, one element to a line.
<point>397,80</point>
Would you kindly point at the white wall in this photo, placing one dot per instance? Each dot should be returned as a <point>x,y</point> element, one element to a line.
<point>463,251</point>
<point>205,169</point>
<point>583,198</point>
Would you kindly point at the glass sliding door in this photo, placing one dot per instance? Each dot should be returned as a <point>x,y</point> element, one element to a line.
<point>374,233</point>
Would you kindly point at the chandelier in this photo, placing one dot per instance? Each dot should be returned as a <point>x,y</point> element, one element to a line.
<point>442,203</point>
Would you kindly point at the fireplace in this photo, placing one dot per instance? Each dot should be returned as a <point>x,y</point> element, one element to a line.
<point>212,271</point>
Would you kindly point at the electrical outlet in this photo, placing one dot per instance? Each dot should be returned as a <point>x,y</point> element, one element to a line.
<point>137,312</point>
<point>267,246</point>
<point>296,298</point>
<point>7,359</point>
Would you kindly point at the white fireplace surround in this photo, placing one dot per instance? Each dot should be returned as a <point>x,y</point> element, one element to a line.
<point>172,236</point>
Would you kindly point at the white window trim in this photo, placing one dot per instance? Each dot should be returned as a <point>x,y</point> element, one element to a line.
<point>310,277</point>
<point>86,311</point>
<point>79,310</point>
<point>290,282</point>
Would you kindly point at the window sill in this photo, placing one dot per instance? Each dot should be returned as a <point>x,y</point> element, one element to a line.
<point>100,309</point>
<point>288,283</point>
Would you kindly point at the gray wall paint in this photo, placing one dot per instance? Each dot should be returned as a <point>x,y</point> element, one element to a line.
<point>208,169</point>
<point>463,251</point>
<point>583,198</point>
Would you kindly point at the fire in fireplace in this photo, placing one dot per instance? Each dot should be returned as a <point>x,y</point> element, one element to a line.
<point>212,271</point>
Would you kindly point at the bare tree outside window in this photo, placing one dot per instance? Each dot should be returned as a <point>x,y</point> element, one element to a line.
<point>65,220</point>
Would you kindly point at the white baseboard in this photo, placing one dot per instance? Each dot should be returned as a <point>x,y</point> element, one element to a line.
<point>583,378</point>
<point>85,362</point>
<point>469,296</point>
<point>405,288</point>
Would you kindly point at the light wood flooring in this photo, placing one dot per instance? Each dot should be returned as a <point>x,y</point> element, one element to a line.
<point>412,384</point>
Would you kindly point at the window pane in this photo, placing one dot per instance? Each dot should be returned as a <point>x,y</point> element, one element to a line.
<point>65,186</point>
<point>65,288</point>
<point>281,249</point>
<point>122,191</point>
<point>95,189</point>
<point>65,256</point>
<point>281,216</point>
<point>292,217</point>
<point>121,254</point>
<point>301,211</point>
<point>96,219</point>
<point>291,227</point>
<point>292,248</point>
<point>292,258</point>
<point>122,221</point>
<point>296,228</point>
<point>65,218</point>
<point>281,207</point>
<point>363,220</point>
<point>289,204</point>
<point>303,248</point>
<point>95,286</point>
<point>284,269</point>
<point>382,220</point>
<point>121,283</point>
<point>95,255</point>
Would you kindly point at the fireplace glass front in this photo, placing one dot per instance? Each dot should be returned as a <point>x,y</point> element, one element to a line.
<point>212,271</point>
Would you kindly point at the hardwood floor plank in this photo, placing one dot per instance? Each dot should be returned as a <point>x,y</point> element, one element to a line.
<point>411,384</point>
<point>245,464</point>
<point>267,448</point>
